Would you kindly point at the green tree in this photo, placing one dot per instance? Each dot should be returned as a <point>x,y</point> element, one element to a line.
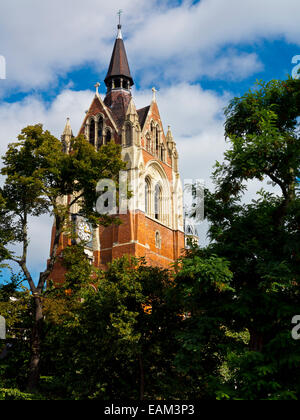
<point>116,339</point>
<point>37,174</point>
<point>16,307</point>
<point>261,240</point>
<point>201,294</point>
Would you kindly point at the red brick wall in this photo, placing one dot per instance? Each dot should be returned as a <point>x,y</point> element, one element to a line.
<point>136,236</point>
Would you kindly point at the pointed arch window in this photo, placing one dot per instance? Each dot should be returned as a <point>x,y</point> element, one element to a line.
<point>127,160</point>
<point>148,143</point>
<point>162,153</point>
<point>128,135</point>
<point>158,202</point>
<point>92,132</point>
<point>147,195</point>
<point>156,142</point>
<point>157,240</point>
<point>107,136</point>
<point>153,137</point>
<point>100,131</point>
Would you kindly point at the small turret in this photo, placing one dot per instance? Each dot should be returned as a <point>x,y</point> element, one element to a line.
<point>172,149</point>
<point>67,136</point>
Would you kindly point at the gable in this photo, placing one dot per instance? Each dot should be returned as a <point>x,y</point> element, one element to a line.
<point>98,107</point>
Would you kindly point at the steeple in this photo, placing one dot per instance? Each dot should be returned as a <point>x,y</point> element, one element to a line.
<point>118,81</point>
<point>118,75</point>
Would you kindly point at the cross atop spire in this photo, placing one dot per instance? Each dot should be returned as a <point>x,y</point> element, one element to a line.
<point>154,94</point>
<point>119,14</point>
<point>97,85</point>
<point>119,36</point>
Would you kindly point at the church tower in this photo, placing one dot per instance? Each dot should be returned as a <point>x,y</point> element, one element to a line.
<point>153,225</point>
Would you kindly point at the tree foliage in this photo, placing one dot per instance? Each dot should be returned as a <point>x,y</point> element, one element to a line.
<point>38,177</point>
<point>261,239</point>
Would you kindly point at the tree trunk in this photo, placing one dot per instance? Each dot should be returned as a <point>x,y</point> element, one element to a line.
<point>34,369</point>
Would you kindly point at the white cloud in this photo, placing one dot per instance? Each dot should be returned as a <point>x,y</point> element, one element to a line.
<point>42,40</point>
<point>32,110</point>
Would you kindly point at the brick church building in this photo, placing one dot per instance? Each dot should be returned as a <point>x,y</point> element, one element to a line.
<point>153,226</point>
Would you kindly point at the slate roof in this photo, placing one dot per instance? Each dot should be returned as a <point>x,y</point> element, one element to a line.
<point>117,102</point>
<point>119,64</point>
<point>142,113</point>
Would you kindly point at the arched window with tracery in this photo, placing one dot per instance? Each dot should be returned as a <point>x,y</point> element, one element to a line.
<point>92,132</point>
<point>158,202</point>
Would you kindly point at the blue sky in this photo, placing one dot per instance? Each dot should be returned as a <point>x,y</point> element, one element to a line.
<point>198,54</point>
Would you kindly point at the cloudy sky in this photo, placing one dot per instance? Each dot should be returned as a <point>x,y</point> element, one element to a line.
<point>198,55</point>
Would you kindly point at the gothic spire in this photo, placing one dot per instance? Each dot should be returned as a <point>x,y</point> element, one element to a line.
<point>118,75</point>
